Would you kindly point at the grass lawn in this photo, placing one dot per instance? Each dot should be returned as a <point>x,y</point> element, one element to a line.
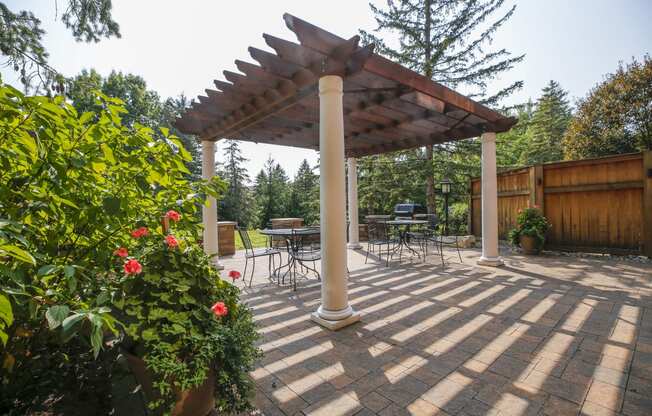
<point>257,239</point>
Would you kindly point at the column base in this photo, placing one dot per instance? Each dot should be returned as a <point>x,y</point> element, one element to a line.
<point>490,261</point>
<point>354,246</point>
<point>335,325</point>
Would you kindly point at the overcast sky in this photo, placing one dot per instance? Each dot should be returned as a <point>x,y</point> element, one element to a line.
<point>181,46</point>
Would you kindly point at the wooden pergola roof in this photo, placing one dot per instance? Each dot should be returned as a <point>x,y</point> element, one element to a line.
<point>387,107</point>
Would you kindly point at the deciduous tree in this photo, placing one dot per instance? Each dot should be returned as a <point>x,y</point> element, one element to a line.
<point>616,115</point>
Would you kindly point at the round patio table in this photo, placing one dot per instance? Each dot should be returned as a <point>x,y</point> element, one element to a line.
<point>403,234</point>
<point>290,234</point>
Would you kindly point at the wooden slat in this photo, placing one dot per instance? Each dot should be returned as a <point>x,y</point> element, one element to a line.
<point>375,122</point>
<point>610,186</point>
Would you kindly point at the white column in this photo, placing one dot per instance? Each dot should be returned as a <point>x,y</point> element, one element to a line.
<point>490,255</point>
<point>334,311</point>
<point>354,238</point>
<point>209,213</point>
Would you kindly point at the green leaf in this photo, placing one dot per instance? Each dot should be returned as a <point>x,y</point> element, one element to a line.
<point>70,325</point>
<point>149,334</point>
<point>17,253</point>
<point>68,271</point>
<point>56,314</point>
<point>108,153</point>
<point>96,338</point>
<point>46,270</point>
<point>6,313</point>
<point>111,205</point>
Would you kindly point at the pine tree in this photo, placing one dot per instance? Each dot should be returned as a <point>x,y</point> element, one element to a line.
<point>548,125</point>
<point>236,204</point>
<point>304,195</point>
<point>271,192</point>
<point>446,41</point>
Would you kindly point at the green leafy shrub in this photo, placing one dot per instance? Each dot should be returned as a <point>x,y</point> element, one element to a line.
<point>530,222</point>
<point>165,289</point>
<point>72,186</point>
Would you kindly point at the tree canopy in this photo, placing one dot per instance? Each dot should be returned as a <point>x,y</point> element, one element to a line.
<point>21,36</point>
<point>616,115</point>
<point>449,43</point>
<point>143,106</point>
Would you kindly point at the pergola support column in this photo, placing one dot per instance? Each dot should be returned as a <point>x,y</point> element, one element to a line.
<point>354,232</point>
<point>334,312</point>
<point>490,254</point>
<point>209,211</point>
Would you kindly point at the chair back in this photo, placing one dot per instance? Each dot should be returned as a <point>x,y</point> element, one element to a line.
<point>377,231</point>
<point>246,241</point>
<point>432,219</point>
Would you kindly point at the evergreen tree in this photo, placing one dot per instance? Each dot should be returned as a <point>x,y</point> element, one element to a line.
<point>512,144</point>
<point>304,195</point>
<point>271,193</point>
<point>447,41</point>
<point>548,125</point>
<point>236,204</point>
<point>616,115</point>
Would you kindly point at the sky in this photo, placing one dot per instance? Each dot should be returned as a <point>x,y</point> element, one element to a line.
<point>182,46</point>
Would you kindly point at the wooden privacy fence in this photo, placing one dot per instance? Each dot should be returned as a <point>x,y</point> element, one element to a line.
<point>598,205</point>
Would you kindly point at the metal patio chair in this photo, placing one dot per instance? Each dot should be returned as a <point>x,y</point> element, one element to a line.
<point>379,236</point>
<point>252,253</point>
<point>302,250</point>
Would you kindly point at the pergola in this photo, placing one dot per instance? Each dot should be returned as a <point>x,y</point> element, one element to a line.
<point>362,104</point>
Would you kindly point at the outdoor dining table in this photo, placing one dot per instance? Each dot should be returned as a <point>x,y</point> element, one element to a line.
<point>289,234</point>
<point>403,226</point>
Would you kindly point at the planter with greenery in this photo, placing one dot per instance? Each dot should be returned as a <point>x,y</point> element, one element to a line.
<point>530,231</point>
<point>184,323</point>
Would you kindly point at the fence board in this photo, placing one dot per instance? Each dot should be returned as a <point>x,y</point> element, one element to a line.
<point>595,204</point>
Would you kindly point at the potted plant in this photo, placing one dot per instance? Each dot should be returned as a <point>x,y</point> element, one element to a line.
<point>530,231</point>
<point>187,338</point>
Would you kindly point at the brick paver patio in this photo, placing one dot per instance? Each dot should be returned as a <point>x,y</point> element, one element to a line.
<point>541,336</point>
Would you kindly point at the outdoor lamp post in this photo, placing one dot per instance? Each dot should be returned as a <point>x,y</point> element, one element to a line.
<point>445,190</point>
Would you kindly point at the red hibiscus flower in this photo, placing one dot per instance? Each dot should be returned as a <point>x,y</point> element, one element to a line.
<point>133,267</point>
<point>171,241</point>
<point>173,215</point>
<point>220,309</point>
<point>234,275</point>
<point>140,232</point>
<point>121,252</point>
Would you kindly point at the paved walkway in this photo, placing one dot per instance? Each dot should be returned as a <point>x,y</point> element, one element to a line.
<point>540,336</point>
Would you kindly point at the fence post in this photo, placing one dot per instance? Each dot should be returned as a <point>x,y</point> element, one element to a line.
<point>536,186</point>
<point>469,222</point>
<point>647,203</point>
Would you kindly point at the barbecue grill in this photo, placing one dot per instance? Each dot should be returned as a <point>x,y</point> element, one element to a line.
<point>408,210</point>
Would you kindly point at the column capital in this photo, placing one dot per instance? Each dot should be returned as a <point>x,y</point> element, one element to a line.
<point>331,84</point>
<point>488,136</point>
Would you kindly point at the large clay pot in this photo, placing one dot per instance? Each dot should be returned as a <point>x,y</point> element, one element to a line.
<point>195,402</point>
<point>529,245</point>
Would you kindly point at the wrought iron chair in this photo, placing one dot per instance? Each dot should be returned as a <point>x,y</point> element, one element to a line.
<point>379,237</point>
<point>252,253</point>
<point>302,250</point>
<point>430,234</point>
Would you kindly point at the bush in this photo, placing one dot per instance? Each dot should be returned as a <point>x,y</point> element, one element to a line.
<point>530,222</point>
<point>72,187</point>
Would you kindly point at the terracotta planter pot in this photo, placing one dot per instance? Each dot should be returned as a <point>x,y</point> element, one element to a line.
<point>529,245</point>
<point>195,402</point>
